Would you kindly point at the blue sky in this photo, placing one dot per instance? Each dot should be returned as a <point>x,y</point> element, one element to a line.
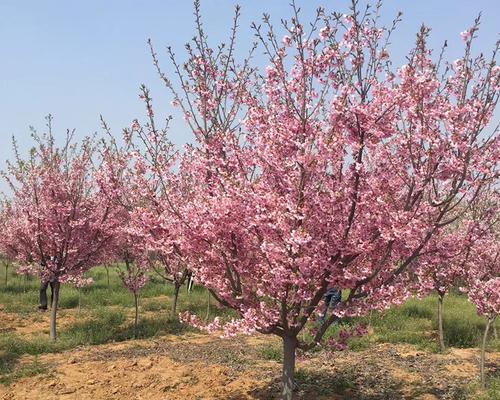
<point>77,60</point>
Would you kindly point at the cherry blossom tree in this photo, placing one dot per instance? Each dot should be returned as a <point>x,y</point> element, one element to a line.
<point>6,255</point>
<point>146,183</point>
<point>78,282</point>
<point>58,224</point>
<point>330,169</point>
<point>444,266</point>
<point>6,264</point>
<point>451,255</point>
<point>134,278</point>
<point>483,289</point>
<point>122,188</point>
<point>482,276</point>
<point>174,271</point>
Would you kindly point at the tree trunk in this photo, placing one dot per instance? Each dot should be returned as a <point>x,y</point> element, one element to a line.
<point>483,352</point>
<point>289,346</point>
<point>6,273</point>
<point>440,321</point>
<point>107,274</point>
<point>208,305</point>
<point>53,312</point>
<point>176,297</point>
<point>136,320</point>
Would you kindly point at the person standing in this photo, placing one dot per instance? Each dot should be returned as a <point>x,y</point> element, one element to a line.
<point>43,291</point>
<point>333,297</point>
<point>43,294</point>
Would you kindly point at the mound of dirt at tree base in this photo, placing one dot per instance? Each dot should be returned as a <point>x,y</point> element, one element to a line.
<point>202,367</point>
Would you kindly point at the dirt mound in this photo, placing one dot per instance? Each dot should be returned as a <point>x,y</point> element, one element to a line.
<point>203,367</point>
<point>153,370</point>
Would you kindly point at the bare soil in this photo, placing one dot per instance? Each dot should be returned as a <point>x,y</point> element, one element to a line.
<point>37,322</point>
<point>196,366</point>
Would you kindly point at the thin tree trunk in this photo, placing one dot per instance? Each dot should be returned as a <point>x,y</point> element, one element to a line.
<point>176,297</point>
<point>53,311</point>
<point>208,305</point>
<point>107,274</point>
<point>289,347</point>
<point>440,321</point>
<point>6,273</point>
<point>483,352</point>
<point>136,320</point>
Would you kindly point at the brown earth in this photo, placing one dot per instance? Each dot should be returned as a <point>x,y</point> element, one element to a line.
<point>35,323</point>
<point>196,366</point>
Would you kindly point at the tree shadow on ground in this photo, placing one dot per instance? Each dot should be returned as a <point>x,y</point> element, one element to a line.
<point>354,384</point>
<point>335,385</point>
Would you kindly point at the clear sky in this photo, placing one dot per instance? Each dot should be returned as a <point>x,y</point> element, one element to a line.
<point>79,59</point>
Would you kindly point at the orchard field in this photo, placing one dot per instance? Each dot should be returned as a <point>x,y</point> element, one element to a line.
<point>332,206</point>
<point>97,357</point>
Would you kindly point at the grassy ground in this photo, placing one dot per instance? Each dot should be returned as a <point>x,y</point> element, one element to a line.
<point>106,305</point>
<point>415,322</point>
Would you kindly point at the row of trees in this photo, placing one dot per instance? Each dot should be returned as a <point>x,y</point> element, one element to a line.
<point>331,168</point>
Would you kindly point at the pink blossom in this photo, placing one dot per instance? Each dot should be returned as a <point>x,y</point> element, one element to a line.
<point>135,125</point>
<point>324,33</point>
<point>466,35</point>
<point>59,222</point>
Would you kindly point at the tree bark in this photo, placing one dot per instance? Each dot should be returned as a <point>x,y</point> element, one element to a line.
<point>289,347</point>
<point>6,273</point>
<point>440,321</point>
<point>208,305</point>
<point>483,352</point>
<point>177,288</point>
<point>107,274</point>
<point>136,320</point>
<point>53,311</point>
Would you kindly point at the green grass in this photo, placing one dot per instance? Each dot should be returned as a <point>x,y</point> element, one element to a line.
<point>26,370</point>
<point>415,322</point>
<point>21,294</point>
<point>107,316</point>
<point>12,347</point>
<point>474,391</point>
<point>107,308</point>
<point>104,326</point>
<point>273,352</point>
